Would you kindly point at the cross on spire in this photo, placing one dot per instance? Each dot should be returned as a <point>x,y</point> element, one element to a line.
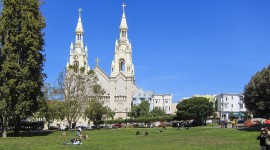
<point>124,5</point>
<point>97,60</point>
<point>80,12</point>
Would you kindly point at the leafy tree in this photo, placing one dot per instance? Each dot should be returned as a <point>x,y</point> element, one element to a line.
<point>95,110</point>
<point>134,112</point>
<point>54,112</point>
<point>110,113</point>
<point>197,108</point>
<point>156,112</point>
<point>142,110</point>
<point>75,90</point>
<point>21,61</point>
<point>257,93</point>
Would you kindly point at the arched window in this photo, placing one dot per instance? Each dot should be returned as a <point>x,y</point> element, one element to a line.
<point>122,65</point>
<point>76,66</point>
<point>124,34</point>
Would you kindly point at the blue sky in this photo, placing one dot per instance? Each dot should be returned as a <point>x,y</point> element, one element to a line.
<point>182,47</point>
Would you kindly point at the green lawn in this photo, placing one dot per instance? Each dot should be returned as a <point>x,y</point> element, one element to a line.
<point>199,138</point>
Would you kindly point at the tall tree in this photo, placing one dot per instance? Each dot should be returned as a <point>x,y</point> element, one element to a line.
<point>21,60</point>
<point>257,93</point>
<point>197,108</point>
<point>75,90</point>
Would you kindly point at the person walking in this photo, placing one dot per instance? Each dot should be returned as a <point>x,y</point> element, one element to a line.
<point>233,123</point>
<point>262,138</point>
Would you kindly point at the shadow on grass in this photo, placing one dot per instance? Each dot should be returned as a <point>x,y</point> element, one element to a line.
<point>250,129</point>
<point>29,133</point>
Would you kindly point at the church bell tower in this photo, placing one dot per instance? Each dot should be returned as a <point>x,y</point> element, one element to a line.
<point>122,62</point>
<point>78,57</point>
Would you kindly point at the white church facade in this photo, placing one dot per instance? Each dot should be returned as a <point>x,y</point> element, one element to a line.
<point>120,84</point>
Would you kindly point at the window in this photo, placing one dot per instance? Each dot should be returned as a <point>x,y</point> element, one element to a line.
<point>241,98</point>
<point>76,66</point>
<point>122,65</point>
<point>124,34</point>
<point>232,105</point>
<point>225,106</point>
<point>241,106</point>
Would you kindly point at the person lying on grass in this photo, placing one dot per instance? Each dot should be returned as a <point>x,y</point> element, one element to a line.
<point>75,141</point>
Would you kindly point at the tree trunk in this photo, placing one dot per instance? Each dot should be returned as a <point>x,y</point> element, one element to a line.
<point>4,126</point>
<point>17,126</point>
<point>69,125</point>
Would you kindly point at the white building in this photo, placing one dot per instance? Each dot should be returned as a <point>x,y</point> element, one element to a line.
<point>230,104</point>
<point>140,96</point>
<point>120,84</point>
<point>163,101</point>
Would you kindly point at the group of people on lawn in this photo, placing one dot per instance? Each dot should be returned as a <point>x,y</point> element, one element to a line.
<point>78,139</point>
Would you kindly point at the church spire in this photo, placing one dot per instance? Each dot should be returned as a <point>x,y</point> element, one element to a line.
<point>122,62</point>
<point>78,52</point>
<point>79,29</point>
<point>123,25</point>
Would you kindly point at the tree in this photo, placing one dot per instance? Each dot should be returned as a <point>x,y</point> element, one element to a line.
<point>142,110</point>
<point>54,112</point>
<point>257,93</point>
<point>21,61</point>
<point>75,90</point>
<point>110,113</point>
<point>197,108</point>
<point>157,112</point>
<point>95,110</point>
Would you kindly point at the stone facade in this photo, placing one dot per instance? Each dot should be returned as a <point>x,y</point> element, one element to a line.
<point>120,85</point>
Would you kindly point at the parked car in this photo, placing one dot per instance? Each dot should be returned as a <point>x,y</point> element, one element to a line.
<point>53,128</point>
<point>240,123</point>
<point>209,122</point>
<point>118,125</point>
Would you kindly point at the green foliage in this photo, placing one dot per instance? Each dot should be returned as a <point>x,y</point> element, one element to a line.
<point>257,93</point>
<point>142,110</point>
<point>156,112</point>
<point>110,113</point>
<point>167,118</point>
<point>55,111</point>
<point>95,110</point>
<point>21,59</point>
<point>82,69</point>
<point>197,108</point>
<point>75,90</point>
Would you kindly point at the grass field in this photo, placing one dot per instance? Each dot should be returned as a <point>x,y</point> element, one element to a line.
<point>199,138</point>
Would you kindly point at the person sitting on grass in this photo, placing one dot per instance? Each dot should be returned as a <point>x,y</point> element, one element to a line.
<point>137,133</point>
<point>146,133</point>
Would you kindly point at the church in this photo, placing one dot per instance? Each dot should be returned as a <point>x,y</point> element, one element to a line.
<point>120,84</point>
